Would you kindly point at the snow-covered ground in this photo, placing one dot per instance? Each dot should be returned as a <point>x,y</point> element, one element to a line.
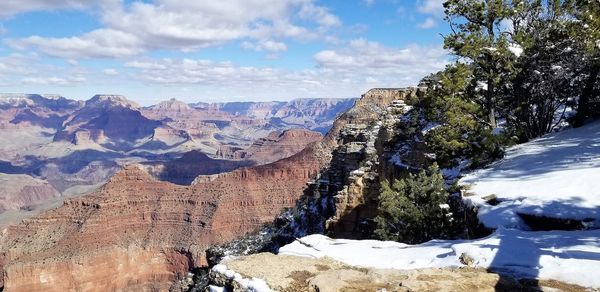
<point>568,256</point>
<point>557,176</point>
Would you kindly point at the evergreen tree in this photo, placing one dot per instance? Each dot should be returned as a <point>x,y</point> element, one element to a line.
<point>545,76</point>
<point>413,209</point>
<point>586,30</point>
<point>478,36</point>
<point>460,130</point>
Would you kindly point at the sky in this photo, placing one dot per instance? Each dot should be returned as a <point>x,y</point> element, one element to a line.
<point>226,50</point>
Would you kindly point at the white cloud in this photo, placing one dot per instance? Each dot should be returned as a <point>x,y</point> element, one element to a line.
<point>320,15</point>
<point>339,73</point>
<point>268,45</point>
<point>369,2</point>
<point>433,7</point>
<point>102,43</point>
<point>374,59</point>
<point>428,23</point>
<point>190,71</point>
<point>110,72</point>
<point>24,71</point>
<point>12,7</point>
<point>53,80</point>
<point>132,29</point>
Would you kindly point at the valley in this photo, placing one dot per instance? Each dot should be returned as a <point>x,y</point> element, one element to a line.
<point>54,148</point>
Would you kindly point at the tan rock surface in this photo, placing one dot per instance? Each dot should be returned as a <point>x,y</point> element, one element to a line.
<point>291,273</point>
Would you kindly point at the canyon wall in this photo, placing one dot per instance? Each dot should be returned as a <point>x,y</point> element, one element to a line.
<point>166,228</point>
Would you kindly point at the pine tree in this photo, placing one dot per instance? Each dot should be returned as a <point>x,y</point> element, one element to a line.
<point>546,74</point>
<point>586,30</point>
<point>478,36</point>
<point>461,131</point>
<point>413,209</point>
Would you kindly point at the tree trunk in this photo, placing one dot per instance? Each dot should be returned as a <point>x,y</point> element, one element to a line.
<point>583,110</point>
<point>489,103</point>
<point>489,99</point>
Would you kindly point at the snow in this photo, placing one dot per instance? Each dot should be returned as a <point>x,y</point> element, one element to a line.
<point>566,256</point>
<point>429,127</point>
<point>212,288</point>
<point>557,175</point>
<point>370,253</point>
<point>252,285</point>
<point>482,85</point>
<point>516,49</point>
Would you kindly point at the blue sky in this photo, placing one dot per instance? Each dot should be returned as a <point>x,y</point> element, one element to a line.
<point>217,50</point>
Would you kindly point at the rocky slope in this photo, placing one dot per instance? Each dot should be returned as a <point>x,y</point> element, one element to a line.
<point>19,191</point>
<point>313,114</point>
<point>165,227</point>
<point>273,147</point>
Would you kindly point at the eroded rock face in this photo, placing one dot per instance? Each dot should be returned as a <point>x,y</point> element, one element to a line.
<point>137,218</point>
<point>75,146</point>
<point>273,147</point>
<point>147,218</point>
<point>342,201</point>
<point>22,191</point>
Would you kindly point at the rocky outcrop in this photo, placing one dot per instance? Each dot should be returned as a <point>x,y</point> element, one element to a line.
<point>370,147</point>
<point>168,227</point>
<point>342,201</point>
<point>22,191</point>
<point>291,273</point>
<point>315,114</point>
<point>107,117</point>
<point>273,147</point>
<point>187,168</point>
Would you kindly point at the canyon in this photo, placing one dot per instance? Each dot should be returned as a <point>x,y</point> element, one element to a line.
<point>166,228</point>
<point>57,148</point>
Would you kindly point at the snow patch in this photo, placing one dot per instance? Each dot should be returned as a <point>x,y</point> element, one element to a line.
<point>557,176</point>
<point>253,285</point>
<point>515,49</point>
<point>566,256</point>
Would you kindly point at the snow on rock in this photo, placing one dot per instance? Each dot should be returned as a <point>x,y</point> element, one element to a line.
<point>252,285</point>
<point>212,288</point>
<point>566,256</point>
<point>372,253</point>
<point>556,176</point>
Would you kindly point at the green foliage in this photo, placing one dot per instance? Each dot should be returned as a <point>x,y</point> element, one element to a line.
<point>460,130</point>
<point>585,30</point>
<point>547,73</point>
<point>560,59</point>
<point>413,209</point>
<point>479,38</point>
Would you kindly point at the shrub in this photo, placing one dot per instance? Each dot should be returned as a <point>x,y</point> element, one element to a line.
<point>414,209</point>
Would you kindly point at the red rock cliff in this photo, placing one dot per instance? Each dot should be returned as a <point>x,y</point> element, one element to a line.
<point>137,233</point>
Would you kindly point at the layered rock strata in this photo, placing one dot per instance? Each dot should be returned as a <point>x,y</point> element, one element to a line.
<point>140,233</point>
<point>166,228</point>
